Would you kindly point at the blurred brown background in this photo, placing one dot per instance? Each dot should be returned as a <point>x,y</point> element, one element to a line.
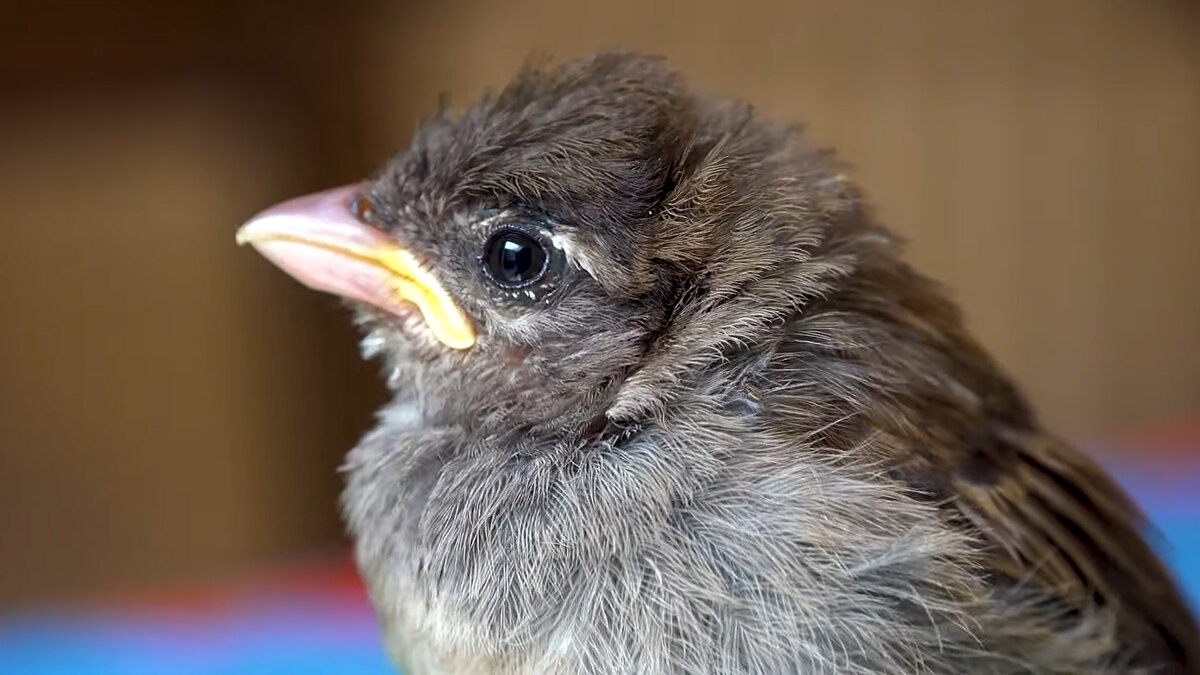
<point>173,409</point>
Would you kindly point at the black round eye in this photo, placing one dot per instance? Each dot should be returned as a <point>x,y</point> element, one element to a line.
<point>514,259</point>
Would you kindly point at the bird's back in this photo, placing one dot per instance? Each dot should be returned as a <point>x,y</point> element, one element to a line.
<point>1053,529</point>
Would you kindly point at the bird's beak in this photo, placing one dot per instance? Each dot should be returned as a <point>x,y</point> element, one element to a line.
<point>318,240</point>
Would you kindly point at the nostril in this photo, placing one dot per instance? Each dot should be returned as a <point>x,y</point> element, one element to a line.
<point>362,209</point>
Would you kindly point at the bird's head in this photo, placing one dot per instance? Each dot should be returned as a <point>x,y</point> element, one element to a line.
<point>554,258</point>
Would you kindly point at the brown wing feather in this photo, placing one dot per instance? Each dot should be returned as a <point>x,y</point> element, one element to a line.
<point>905,366</point>
<point>1060,522</point>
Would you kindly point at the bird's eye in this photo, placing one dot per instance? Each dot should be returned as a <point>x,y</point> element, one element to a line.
<point>514,259</point>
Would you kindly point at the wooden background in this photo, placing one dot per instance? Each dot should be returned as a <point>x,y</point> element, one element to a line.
<point>173,410</point>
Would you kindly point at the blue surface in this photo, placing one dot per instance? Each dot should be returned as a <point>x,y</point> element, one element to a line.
<point>1172,503</point>
<point>300,639</point>
<point>296,636</point>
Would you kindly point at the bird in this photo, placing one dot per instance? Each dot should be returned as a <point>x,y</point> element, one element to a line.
<point>667,398</point>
